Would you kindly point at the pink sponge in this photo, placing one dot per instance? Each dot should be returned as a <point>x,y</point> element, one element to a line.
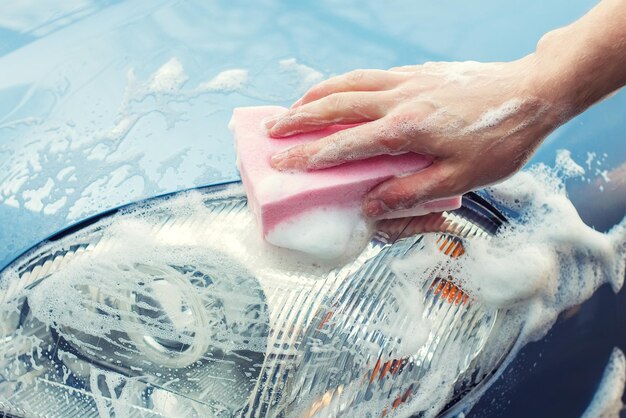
<point>277,197</point>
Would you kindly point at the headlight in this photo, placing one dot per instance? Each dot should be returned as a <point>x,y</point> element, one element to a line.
<point>174,307</point>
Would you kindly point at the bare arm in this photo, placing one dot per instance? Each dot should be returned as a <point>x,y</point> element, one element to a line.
<point>581,63</point>
<point>480,122</point>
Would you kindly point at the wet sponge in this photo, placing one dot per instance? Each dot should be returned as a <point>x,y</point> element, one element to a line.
<point>278,198</point>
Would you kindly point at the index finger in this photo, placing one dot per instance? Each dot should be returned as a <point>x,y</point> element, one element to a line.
<point>356,143</point>
<point>358,80</point>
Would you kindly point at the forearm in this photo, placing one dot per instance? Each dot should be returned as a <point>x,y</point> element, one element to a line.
<point>579,64</point>
<point>480,122</point>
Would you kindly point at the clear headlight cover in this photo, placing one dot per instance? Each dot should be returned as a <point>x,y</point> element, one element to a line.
<point>173,307</point>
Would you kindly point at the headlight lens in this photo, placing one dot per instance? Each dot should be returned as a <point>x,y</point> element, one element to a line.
<point>173,307</point>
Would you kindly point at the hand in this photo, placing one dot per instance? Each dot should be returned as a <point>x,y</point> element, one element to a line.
<point>479,121</point>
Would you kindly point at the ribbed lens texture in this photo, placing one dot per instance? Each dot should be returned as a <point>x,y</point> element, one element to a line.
<point>171,309</point>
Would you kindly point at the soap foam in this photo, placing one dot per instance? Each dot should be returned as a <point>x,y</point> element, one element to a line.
<point>566,166</point>
<point>493,117</point>
<point>306,75</point>
<point>543,262</point>
<point>140,256</point>
<point>168,78</point>
<point>405,322</point>
<point>607,401</point>
<point>459,72</point>
<point>226,81</point>
<point>324,232</point>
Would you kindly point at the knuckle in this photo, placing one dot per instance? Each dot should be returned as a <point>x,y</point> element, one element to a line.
<point>314,92</point>
<point>406,197</point>
<point>321,89</point>
<point>448,182</point>
<point>405,192</point>
<point>453,181</point>
<point>333,141</point>
<point>335,102</point>
<point>446,175</point>
<point>390,142</point>
<point>398,119</point>
<point>403,124</point>
<point>398,194</point>
<point>354,77</point>
<point>402,93</point>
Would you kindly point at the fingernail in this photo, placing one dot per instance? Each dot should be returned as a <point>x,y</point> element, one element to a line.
<point>285,161</point>
<point>292,159</point>
<point>374,208</point>
<point>277,159</point>
<point>296,103</point>
<point>271,121</point>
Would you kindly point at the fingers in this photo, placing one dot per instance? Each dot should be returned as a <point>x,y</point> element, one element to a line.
<point>406,68</point>
<point>338,108</point>
<point>399,228</point>
<point>438,181</point>
<point>356,143</point>
<point>358,80</point>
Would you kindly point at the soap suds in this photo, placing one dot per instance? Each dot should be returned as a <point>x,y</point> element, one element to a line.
<point>306,75</point>
<point>54,207</point>
<point>595,170</point>
<point>605,175</point>
<point>226,81</point>
<point>460,72</point>
<point>607,401</point>
<point>12,201</point>
<point>112,392</point>
<point>323,232</point>
<point>544,261</point>
<point>590,157</point>
<point>169,78</point>
<point>567,166</point>
<point>33,199</point>
<point>112,135</point>
<point>405,322</point>
<point>493,117</point>
<point>64,172</point>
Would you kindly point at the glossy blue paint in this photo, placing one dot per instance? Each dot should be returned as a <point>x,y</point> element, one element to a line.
<point>78,135</point>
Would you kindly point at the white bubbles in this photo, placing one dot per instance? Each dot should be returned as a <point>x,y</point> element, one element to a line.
<point>226,81</point>
<point>566,165</point>
<point>111,392</point>
<point>170,77</point>
<point>299,118</point>
<point>491,266</point>
<point>307,76</point>
<point>544,261</point>
<point>406,322</point>
<point>590,157</point>
<point>459,72</point>
<point>33,199</point>
<point>548,254</point>
<point>118,137</point>
<point>496,116</point>
<point>433,391</point>
<point>324,232</point>
<point>607,402</point>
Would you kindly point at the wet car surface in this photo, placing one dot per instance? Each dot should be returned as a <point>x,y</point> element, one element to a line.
<point>84,127</point>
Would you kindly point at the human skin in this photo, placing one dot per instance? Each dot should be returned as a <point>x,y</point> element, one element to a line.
<point>480,122</point>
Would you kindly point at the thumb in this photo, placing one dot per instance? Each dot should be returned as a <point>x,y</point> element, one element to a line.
<point>405,192</point>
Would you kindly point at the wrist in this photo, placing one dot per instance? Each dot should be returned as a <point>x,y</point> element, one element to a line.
<point>555,74</point>
<point>548,96</point>
<point>580,64</point>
